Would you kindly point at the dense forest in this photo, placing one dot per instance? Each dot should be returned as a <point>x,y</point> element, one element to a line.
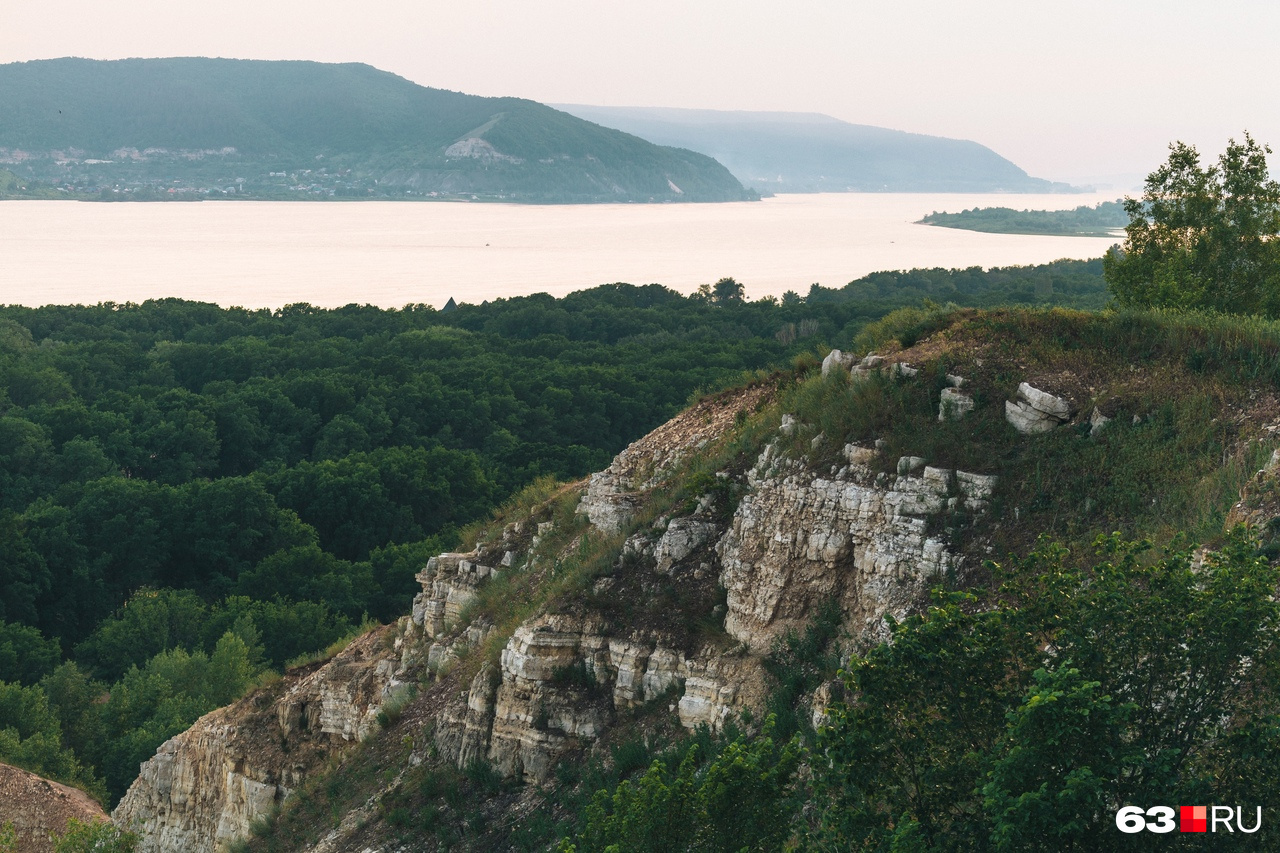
<point>1102,220</point>
<point>192,497</point>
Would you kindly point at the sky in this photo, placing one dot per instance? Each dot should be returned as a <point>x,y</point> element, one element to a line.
<point>1082,91</point>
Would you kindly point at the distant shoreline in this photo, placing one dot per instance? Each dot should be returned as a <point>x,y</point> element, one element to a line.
<point>1105,219</point>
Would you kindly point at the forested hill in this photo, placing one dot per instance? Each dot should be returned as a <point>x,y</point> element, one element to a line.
<point>191,494</point>
<point>810,152</point>
<point>305,129</point>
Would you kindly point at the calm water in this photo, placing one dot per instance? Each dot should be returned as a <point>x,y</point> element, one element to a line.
<point>268,254</point>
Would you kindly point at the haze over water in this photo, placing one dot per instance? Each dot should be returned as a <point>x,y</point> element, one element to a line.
<point>269,254</point>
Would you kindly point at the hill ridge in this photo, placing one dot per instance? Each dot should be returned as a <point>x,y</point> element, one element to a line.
<point>815,152</point>
<point>298,128</point>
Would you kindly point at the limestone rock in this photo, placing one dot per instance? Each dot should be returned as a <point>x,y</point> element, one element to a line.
<point>908,465</point>
<point>954,404</point>
<point>203,788</point>
<point>868,365</point>
<point>799,540</point>
<point>450,582</point>
<point>560,682</point>
<point>717,689</point>
<point>1035,411</point>
<point>683,536</point>
<point>706,702</point>
<point>1097,421</point>
<point>837,360</point>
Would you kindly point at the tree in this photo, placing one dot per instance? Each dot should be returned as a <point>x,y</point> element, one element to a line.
<point>728,291</point>
<point>739,800</point>
<point>25,655</point>
<point>1018,723</point>
<point>1203,237</point>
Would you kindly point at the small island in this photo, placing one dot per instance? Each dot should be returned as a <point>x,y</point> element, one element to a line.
<point>1104,219</point>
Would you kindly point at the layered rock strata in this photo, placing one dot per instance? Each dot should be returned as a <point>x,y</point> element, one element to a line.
<point>561,681</point>
<point>796,540</point>
<point>205,787</point>
<point>869,540</point>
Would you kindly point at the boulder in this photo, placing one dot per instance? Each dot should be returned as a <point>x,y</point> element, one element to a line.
<point>1097,421</point>
<point>954,404</point>
<point>1035,411</point>
<point>909,465</point>
<point>837,360</point>
<point>868,365</point>
<point>682,537</point>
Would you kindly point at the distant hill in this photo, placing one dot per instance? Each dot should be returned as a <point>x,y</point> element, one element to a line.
<point>811,152</point>
<point>307,129</point>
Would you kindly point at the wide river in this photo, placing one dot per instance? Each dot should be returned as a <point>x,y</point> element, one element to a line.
<point>269,254</point>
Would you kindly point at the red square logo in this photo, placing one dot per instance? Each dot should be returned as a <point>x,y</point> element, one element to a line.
<point>1195,819</point>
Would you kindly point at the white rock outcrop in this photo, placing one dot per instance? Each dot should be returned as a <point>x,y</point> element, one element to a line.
<point>837,360</point>
<point>954,404</point>
<point>1097,421</point>
<point>1035,411</point>
<point>872,542</point>
<point>450,583</point>
<point>562,680</point>
<point>682,537</point>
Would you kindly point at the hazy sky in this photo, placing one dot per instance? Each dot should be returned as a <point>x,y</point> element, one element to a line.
<point>1067,90</point>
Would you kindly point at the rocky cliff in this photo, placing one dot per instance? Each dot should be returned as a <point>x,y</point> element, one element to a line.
<point>560,681</point>
<point>237,764</point>
<point>656,595</point>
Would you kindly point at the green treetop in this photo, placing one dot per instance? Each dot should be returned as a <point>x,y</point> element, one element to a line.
<point>1203,237</point>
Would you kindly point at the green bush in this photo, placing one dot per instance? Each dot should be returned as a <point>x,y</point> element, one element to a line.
<point>1017,723</point>
<point>94,837</point>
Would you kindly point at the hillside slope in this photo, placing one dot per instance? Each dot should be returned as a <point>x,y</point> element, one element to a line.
<point>318,129</point>
<point>726,564</point>
<point>811,152</point>
<point>37,806</point>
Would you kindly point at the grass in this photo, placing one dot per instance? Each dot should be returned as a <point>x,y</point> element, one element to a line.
<point>903,327</point>
<point>518,507</point>
<point>333,649</point>
<point>1175,472</point>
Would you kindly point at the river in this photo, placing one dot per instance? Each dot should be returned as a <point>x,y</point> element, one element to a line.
<point>269,254</point>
